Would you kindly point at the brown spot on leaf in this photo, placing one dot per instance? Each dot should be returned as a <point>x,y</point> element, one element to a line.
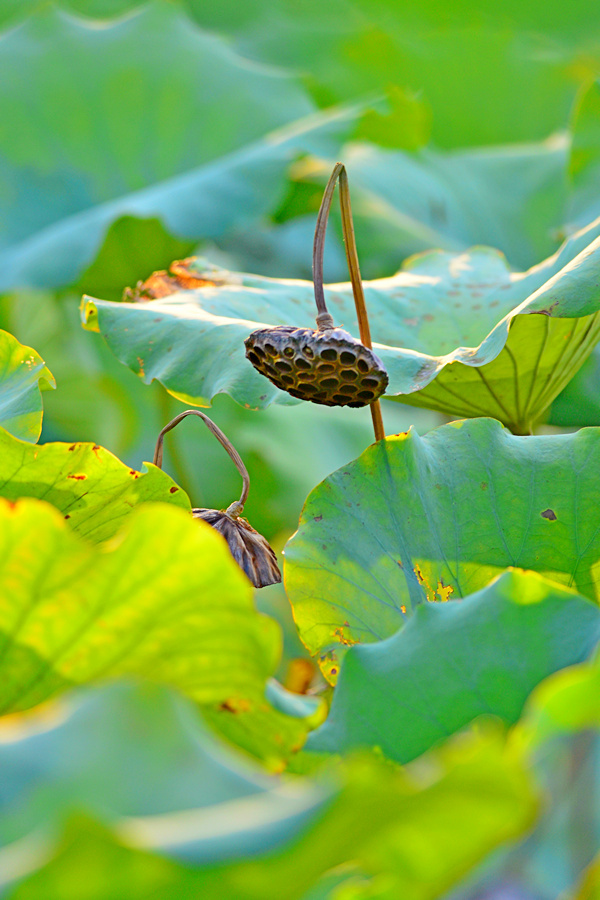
<point>483,485</point>
<point>77,477</point>
<point>68,516</point>
<point>549,514</point>
<point>173,489</point>
<point>548,310</point>
<point>141,365</point>
<point>318,518</point>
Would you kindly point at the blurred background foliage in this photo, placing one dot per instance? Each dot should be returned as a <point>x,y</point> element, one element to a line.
<point>134,133</point>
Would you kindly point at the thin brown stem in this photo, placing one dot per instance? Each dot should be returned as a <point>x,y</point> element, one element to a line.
<point>236,508</point>
<point>324,319</point>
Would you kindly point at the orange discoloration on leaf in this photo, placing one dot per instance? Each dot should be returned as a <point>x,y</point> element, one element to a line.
<point>179,277</point>
<point>77,477</point>
<point>344,639</point>
<point>441,593</point>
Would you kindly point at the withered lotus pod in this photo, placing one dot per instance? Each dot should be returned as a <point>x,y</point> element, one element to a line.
<point>250,549</point>
<point>326,365</point>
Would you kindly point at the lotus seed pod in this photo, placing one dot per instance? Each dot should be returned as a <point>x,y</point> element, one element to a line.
<point>327,366</point>
<point>250,549</point>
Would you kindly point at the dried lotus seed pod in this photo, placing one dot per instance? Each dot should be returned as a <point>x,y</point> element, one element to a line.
<point>328,367</point>
<point>250,549</point>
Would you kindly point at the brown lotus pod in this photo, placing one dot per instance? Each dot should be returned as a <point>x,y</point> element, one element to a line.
<point>250,549</point>
<point>326,366</point>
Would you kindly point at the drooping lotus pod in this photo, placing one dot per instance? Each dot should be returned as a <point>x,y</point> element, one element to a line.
<point>250,549</point>
<point>326,365</point>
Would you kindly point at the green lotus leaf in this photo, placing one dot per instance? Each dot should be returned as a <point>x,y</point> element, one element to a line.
<point>164,600</point>
<point>453,662</point>
<point>93,489</point>
<point>98,750</point>
<point>23,376</point>
<point>512,198</point>
<point>435,518</point>
<point>237,832</point>
<point>457,333</point>
<point>92,128</point>
<point>560,732</point>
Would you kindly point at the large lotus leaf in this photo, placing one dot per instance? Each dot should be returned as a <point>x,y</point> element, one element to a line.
<point>23,376</point>
<point>458,333</point>
<point>560,731</point>
<point>510,197</point>
<point>453,662</point>
<point>91,487</point>
<point>436,518</point>
<point>92,128</point>
<point>125,750</point>
<point>485,81</point>
<point>415,832</point>
<point>164,600</point>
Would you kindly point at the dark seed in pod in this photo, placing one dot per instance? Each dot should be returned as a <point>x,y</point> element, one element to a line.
<point>349,375</point>
<point>362,365</point>
<point>339,398</point>
<point>370,382</point>
<point>302,363</point>
<point>253,358</point>
<point>308,388</point>
<point>287,379</point>
<point>271,350</point>
<point>259,351</point>
<point>347,358</point>
<point>365,395</point>
<point>289,352</point>
<point>325,368</point>
<point>306,376</point>
<point>329,383</point>
<point>308,351</point>
<point>348,389</point>
<point>329,354</point>
<point>285,366</point>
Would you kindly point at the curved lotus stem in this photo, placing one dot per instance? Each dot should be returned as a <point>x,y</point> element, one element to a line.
<point>237,507</point>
